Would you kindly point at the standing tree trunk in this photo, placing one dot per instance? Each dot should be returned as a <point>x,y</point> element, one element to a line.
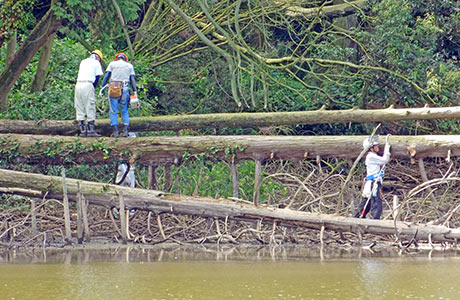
<point>48,25</point>
<point>11,47</point>
<point>42,69</point>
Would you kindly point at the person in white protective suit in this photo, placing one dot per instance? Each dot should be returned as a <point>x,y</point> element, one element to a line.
<point>372,191</point>
<point>126,180</point>
<point>129,179</point>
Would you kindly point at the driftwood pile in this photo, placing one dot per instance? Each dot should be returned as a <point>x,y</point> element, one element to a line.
<point>420,189</point>
<point>310,186</point>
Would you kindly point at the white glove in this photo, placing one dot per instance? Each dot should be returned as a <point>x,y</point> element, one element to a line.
<point>387,147</point>
<point>101,92</point>
<point>387,144</point>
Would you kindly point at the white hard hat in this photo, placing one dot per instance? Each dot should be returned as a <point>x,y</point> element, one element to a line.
<point>367,144</point>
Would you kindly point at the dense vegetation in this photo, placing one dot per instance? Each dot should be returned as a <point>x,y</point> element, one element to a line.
<point>251,56</point>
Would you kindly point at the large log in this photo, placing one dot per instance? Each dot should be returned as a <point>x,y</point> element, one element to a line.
<point>36,185</point>
<point>146,150</point>
<point>229,120</point>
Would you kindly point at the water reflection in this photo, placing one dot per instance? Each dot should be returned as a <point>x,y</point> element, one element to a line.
<point>228,273</point>
<point>203,253</point>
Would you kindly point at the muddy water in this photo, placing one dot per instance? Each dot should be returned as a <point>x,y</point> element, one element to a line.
<point>232,273</point>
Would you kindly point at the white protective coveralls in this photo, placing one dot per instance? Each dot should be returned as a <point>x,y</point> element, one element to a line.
<point>130,179</point>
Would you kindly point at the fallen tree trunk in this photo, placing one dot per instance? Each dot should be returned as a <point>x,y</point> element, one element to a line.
<point>229,120</point>
<point>13,182</point>
<point>146,150</point>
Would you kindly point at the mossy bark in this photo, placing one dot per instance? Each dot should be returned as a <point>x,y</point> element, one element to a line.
<point>147,150</point>
<point>42,69</point>
<point>332,11</point>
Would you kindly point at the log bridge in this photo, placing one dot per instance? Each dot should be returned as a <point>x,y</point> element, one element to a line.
<point>232,120</point>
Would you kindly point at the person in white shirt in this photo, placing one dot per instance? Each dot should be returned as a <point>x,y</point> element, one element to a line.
<point>85,99</point>
<point>375,167</point>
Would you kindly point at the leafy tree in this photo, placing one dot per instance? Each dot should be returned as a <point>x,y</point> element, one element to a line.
<point>74,14</point>
<point>266,57</point>
<point>14,15</point>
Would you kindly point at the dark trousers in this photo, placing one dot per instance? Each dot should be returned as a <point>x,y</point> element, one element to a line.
<point>374,205</point>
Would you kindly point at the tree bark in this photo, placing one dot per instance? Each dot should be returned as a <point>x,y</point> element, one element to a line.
<point>125,31</point>
<point>79,215</point>
<point>166,149</point>
<point>332,11</point>
<point>11,47</point>
<point>231,120</point>
<point>42,68</point>
<point>234,170</point>
<point>149,15</point>
<point>65,203</point>
<point>421,166</point>
<point>47,26</point>
<point>14,182</point>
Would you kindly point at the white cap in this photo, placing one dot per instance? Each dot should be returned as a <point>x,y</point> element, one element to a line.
<point>367,144</point>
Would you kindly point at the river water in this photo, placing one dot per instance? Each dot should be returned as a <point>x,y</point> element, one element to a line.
<point>228,273</point>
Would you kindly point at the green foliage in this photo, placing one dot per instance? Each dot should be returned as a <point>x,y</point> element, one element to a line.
<point>48,149</point>
<point>44,105</point>
<point>410,38</point>
<point>208,178</point>
<point>14,15</point>
<point>8,149</point>
<point>405,36</point>
<point>14,203</point>
<point>97,173</point>
<point>98,144</point>
<point>98,17</point>
<point>193,84</point>
<point>56,101</point>
<point>145,80</point>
